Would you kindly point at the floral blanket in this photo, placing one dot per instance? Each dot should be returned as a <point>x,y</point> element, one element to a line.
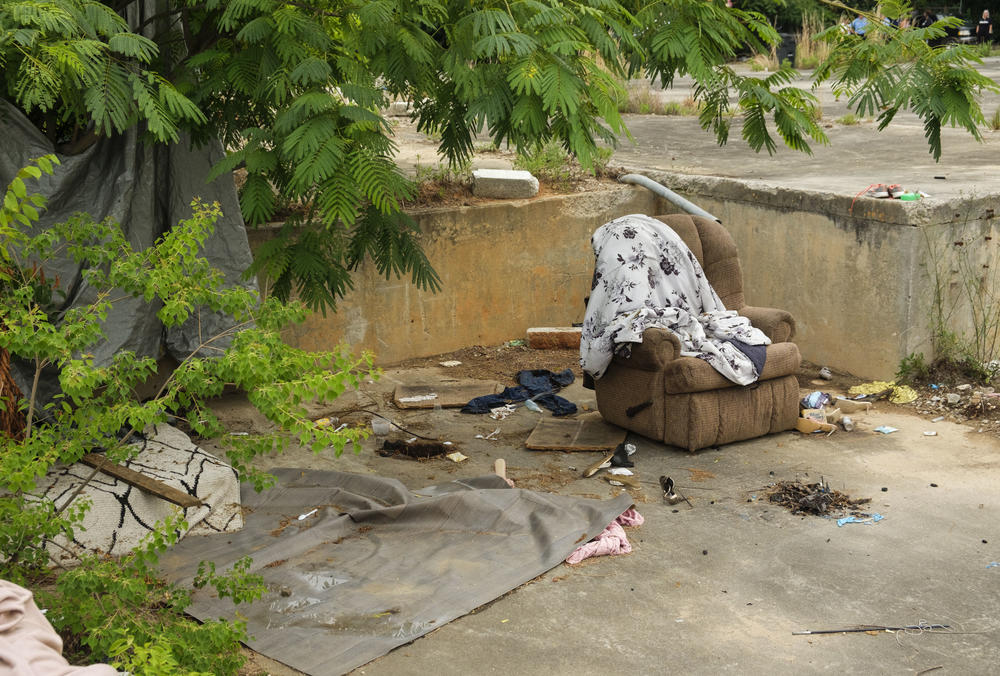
<point>645,276</point>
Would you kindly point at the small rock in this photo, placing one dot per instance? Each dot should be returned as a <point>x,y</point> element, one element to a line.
<point>963,387</point>
<point>953,398</point>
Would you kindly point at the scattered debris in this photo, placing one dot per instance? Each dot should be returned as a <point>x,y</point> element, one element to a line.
<point>875,518</point>
<point>992,564</point>
<point>897,394</point>
<point>809,426</point>
<point>825,373</point>
<point>852,405</point>
<point>619,480</point>
<point>457,457</point>
<point>532,406</point>
<point>450,363</point>
<point>418,397</point>
<point>815,498</point>
<point>612,541</point>
<point>815,400</point>
<point>937,419</point>
<point>596,467</point>
<point>886,429</point>
<point>865,628</point>
<point>303,517</point>
<point>847,423</point>
<point>380,426</point>
<point>489,437</point>
<point>930,434</point>
<point>413,449</point>
<point>502,412</point>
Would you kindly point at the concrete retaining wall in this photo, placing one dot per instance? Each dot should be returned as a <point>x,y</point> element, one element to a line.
<point>860,276</point>
<point>504,267</point>
<point>861,285</point>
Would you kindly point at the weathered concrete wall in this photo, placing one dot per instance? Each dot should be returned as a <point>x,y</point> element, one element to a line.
<point>504,267</point>
<point>860,282</point>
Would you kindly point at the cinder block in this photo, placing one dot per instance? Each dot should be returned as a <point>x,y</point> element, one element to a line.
<point>504,184</point>
<point>551,337</point>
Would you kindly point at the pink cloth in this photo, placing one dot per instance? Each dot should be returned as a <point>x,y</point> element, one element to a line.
<point>29,646</point>
<point>611,541</point>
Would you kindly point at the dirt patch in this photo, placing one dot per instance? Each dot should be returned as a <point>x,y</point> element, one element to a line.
<point>501,362</point>
<point>817,499</point>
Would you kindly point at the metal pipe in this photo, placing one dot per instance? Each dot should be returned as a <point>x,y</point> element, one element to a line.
<point>667,194</point>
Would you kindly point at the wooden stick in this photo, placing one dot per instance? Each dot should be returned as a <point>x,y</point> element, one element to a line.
<point>141,481</point>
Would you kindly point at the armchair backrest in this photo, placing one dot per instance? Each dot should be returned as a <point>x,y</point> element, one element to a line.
<point>715,249</point>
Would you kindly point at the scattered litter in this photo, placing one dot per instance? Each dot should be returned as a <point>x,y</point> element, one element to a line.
<point>620,458</point>
<point>519,342</point>
<point>596,467</point>
<point>875,518</point>
<point>456,457</point>
<point>809,426</point>
<point>629,481</point>
<point>621,471</point>
<point>815,400</point>
<point>865,628</point>
<point>380,427</point>
<point>847,424</point>
<point>411,440</point>
<point>814,414</point>
<point>532,406</point>
<point>825,373</point>
<point>302,517</point>
<point>450,363</point>
<point>937,419</point>
<point>852,405</point>
<point>930,434</point>
<point>612,541</point>
<point>491,436</point>
<point>502,412</point>
<point>446,443</point>
<point>992,564</point>
<point>816,498</point>
<point>418,397</point>
<point>886,429</point>
<point>342,426</point>
<point>897,394</point>
<point>239,434</point>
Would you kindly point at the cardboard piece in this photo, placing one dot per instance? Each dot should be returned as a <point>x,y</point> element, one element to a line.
<point>451,393</point>
<point>809,426</point>
<point>586,433</point>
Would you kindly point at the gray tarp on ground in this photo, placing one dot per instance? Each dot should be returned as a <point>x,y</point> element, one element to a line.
<point>147,189</point>
<point>377,566</point>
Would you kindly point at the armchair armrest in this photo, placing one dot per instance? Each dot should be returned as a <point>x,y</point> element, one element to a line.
<point>777,325</point>
<point>657,349</point>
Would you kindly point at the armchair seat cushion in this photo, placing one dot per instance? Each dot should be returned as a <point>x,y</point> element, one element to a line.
<point>690,374</point>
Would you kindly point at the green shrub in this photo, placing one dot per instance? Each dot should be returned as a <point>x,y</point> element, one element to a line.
<point>116,609</point>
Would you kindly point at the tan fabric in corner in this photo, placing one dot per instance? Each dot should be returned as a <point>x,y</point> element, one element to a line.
<point>29,646</point>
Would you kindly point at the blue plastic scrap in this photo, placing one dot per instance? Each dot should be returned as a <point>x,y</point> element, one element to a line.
<point>875,518</point>
<point>992,564</point>
<point>886,429</point>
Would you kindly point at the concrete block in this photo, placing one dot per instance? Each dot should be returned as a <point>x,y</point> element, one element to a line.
<point>554,337</point>
<point>399,109</point>
<point>503,184</point>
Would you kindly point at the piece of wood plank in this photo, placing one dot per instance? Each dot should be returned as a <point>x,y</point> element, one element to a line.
<point>587,433</point>
<point>141,481</point>
<point>450,393</point>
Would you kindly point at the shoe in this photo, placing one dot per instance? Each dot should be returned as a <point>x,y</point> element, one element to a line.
<point>876,190</point>
<point>895,190</point>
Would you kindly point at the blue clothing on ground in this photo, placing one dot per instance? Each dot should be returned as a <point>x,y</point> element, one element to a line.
<point>860,25</point>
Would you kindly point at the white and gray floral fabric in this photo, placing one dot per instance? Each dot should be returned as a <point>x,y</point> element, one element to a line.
<point>645,277</point>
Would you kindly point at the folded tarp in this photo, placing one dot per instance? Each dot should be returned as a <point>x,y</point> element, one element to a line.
<point>376,565</point>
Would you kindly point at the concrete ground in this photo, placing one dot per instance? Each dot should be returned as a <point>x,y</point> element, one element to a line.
<point>721,585</point>
<point>857,155</point>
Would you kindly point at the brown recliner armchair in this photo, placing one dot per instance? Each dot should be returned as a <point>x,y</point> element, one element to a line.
<point>685,402</point>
